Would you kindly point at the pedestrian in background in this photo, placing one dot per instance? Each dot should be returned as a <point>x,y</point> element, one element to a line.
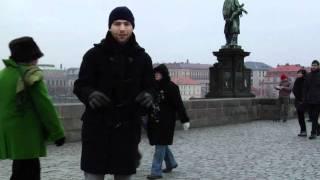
<point>28,118</point>
<point>312,97</point>
<point>298,102</point>
<point>160,127</point>
<point>284,89</point>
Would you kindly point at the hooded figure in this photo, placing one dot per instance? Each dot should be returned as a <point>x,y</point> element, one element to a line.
<point>112,74</point>
<point>298,102</point>
<point>161,131</point>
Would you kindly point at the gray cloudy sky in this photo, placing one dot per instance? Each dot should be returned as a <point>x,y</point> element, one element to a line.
<point>274,31</point>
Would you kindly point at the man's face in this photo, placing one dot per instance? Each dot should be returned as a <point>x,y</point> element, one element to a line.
<point>299,74</point>
<point>158,76</point>
<point>314,67</point>
<point>121,30</point>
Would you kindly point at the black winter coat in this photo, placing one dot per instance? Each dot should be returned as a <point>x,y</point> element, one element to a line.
<point>121,73</point>
<point>312,88</point>
<point>298,89</point>
<point>171,105</point>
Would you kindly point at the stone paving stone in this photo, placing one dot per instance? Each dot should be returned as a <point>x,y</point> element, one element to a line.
<point>251,151</point>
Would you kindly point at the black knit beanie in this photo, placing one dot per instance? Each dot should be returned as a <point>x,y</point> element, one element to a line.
<point>315,62</point>
<point>24,49</point>
<point>121,13</point>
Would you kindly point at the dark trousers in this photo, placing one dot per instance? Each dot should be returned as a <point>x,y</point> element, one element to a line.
<point>314,110</point>
<point>300,112</point>
<point>283,107</point>
<point>26,169</point>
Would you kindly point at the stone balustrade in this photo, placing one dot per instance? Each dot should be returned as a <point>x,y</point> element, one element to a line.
<point>202,112</point>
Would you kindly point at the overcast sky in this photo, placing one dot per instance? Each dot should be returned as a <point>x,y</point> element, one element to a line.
<point>274,31</point>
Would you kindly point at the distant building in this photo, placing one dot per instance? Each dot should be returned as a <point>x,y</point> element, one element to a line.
<point>259,71</point>
<point>188,87</point>
<point>72,76</point>
<point>192,79</point>
<point>197,72</point>
<point>272,77</point>
<point>55,79</point>
<point>59,83</point>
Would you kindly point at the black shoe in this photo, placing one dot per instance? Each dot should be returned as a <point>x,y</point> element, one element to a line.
<point>303,134</point>
<point>167,170</point>
<point>153,177</point>
<point>313,136</point>
<point>318,132</point>
<point>284,120</point>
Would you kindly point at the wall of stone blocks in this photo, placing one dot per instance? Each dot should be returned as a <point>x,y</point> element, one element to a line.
<point>202,113</point>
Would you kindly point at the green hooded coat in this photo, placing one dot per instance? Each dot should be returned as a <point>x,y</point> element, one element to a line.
<point>27,116</point>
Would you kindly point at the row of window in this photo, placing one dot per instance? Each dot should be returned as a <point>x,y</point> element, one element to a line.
<point>189,91</point>
<point>195,75</point>
<point>56,83</point>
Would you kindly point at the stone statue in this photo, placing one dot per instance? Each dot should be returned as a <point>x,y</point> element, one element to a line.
<point>232,11</point>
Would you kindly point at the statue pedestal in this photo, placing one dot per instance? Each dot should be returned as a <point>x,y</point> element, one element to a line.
<point>229,78</point>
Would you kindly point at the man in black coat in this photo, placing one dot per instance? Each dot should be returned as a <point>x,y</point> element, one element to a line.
<point>312,97</point>
<point>112,74</point>
<point>300,107</point>
<point>161,127</point>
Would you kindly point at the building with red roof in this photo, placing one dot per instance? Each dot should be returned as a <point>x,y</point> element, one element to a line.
<point>188,87</point>
<point>272,77</point>
<point>194,71</point>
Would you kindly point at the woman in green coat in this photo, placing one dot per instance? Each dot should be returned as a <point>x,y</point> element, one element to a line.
<point>28,118</point>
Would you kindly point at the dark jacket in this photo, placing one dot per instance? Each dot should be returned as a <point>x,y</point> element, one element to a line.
<point>312,88</point>
<point>169,99</point>
<point>121,72</point>
<point>298,89</point>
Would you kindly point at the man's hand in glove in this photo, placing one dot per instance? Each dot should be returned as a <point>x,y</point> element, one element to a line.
<point>144,99</point>
<point>98,99</point>
<point>60,141</point>
<point>186,126</point>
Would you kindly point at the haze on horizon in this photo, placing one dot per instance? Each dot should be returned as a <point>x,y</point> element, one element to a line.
<point>275,32</point>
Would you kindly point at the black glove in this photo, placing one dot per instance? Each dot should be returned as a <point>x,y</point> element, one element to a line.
<point>98,99</point>
<point>144,99</point>
<point>60,141</point>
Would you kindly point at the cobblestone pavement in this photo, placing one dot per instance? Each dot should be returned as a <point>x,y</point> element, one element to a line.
<point>249,151</point>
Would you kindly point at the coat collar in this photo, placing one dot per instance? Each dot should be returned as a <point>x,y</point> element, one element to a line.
<point>29,74</point>
<point>10,63</point>
<point>112,47</point>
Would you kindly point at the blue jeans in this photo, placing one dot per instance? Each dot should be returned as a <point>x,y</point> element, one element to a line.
<point>162,152</point>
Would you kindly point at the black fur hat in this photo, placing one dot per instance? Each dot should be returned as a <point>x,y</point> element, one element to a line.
<point>121,13</point>
<point>24,49</point>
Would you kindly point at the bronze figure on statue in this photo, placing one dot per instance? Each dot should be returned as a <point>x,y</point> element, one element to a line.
<point>232,11</point>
